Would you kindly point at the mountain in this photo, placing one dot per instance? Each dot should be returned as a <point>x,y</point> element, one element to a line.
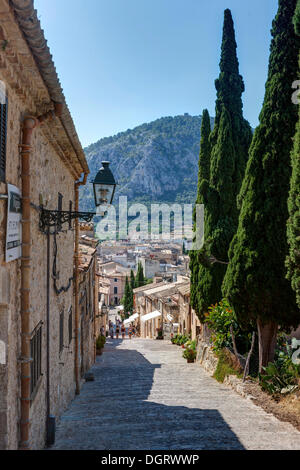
<point>154,162</point>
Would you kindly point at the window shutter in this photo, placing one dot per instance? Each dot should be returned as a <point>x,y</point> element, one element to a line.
<point>59,208</point>
<point>61,331</point>
<point>70,219</point>
<point>3,122</point>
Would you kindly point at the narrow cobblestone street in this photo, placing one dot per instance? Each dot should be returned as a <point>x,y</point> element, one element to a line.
<point>145,396</point>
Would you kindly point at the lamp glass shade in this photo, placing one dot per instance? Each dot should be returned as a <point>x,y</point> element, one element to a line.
<point>104,186</point>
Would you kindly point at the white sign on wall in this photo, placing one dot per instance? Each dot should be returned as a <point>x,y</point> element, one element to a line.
<point>2,353</point>
<point>14,227</point>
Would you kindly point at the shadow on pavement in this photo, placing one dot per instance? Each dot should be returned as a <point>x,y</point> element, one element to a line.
<point>113,413</point>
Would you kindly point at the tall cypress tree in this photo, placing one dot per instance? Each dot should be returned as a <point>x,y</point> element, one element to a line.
<point>203,181</point>
<point>293,229</point>
<point>204,156</point>
<point>127,300</point>
<point>228,150</point>
<point>132,279</point>
<point>255,282</point>
<point>139,278</point>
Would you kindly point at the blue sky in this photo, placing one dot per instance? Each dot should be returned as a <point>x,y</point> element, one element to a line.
<point>125,62</point>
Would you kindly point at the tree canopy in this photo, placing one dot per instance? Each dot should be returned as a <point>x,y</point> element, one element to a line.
<point>222,162</point>
<point>255,282</point>
<point>293,228</point>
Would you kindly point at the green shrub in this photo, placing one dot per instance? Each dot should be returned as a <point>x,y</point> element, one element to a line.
<point>282,376</point>
<point>183,339</point>
<point>225,366</point>
<point>191,345</point>
<point>219,319</point>
<point>175,338</point>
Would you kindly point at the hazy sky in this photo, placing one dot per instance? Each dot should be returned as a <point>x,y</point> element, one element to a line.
<point>125,62</point>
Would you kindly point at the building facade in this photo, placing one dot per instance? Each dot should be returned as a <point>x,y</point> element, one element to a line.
<point>88,306</point>
<point>41,156</point>
<point>151,267</point>
<point>158,308</point>
<point>113,274</point>
<point>189,322</point>
<point>166,305</point>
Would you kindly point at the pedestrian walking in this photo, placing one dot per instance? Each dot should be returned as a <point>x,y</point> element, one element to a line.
<point>117,331</point>
<point>111,332</point>
<point>130,331</point>
<point>123,331</point>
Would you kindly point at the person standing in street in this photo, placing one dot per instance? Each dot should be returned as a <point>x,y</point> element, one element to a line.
<point>117,331</point>
<point>130,331</point>
<point>123,331</point>
<point>111,331</point>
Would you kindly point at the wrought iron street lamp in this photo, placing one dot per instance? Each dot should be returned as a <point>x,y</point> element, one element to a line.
<point>104,191</point>
<point>104,186</point>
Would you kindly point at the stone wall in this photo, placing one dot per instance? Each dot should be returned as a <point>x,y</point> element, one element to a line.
<point>206,357</point>
<point>49,176</point>
<point>88,310</point>
<point>51,172</point>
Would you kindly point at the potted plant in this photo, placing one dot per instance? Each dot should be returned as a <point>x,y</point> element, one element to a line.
<point>183,340</point>
<point>159,333</point>
<point>189,354</point>
<point>100,344</point>
<point>175,339</point>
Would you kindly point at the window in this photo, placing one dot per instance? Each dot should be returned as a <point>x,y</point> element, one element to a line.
<point>3,126</point>
<point>61,331</point>
<point>59,207</point>
<point>70,210</point>
<point>115,290</point>
<point>116,280</point>
<point>87,304</point>
<point>36,355</point>
<point>70,325</point>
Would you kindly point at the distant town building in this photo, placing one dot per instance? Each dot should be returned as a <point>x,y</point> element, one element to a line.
<point>165,305</point>
<point>114,275</point>
<point>150,266</point>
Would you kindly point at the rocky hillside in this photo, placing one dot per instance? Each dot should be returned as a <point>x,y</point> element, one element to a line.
<point>155,162</point>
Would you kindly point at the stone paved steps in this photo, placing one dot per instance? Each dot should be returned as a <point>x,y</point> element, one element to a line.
<point>145,396</point>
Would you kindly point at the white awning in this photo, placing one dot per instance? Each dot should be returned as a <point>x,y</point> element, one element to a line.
<point>121,307</point>
<point>151,315</point>
<point>175,324</point>
<point>131,318</point>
